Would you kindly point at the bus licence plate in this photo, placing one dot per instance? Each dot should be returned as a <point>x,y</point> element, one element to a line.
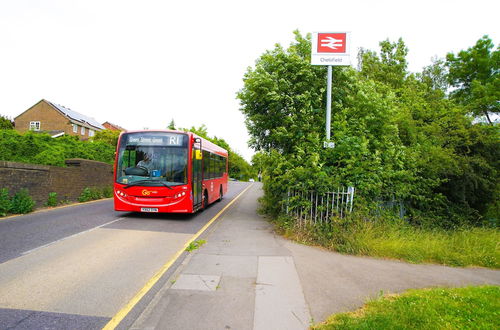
<point>149,209</point>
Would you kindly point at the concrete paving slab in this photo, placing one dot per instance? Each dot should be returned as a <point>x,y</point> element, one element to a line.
<point>223,265</point>
<point>279,301</point>
<point>231,306</point>
<point>196,282</point>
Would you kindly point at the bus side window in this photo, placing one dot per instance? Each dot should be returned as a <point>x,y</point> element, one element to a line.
<point>219,167</point>
<point>205,165</point>
<point>212,166</point>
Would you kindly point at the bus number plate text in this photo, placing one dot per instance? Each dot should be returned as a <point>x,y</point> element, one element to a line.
<point>149,209</point>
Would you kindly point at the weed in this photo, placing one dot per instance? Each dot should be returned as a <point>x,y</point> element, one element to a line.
<point>5,202</point>
<point>195,245</point>
<point>52,200</point>
<point>107,192</point>
<point>22,202</point>
<point>90,194</point>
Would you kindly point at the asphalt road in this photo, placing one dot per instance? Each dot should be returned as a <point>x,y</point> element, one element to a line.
<point>76,267</point>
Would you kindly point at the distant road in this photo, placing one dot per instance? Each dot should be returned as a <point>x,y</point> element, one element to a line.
<point>77,266</point>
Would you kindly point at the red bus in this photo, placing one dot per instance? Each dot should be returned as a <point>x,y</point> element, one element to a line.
<point>168,171</point>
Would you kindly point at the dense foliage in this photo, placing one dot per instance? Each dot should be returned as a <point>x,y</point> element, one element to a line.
<point>20,203</point>
<point>239,168</point>
<point>398,135</point>
<point>5,123</point>
<point>39,148</point>
<point>474,73</point>
<point>107,136</point>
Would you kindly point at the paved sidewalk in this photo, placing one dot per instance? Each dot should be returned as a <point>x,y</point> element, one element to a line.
<point>246,277</point>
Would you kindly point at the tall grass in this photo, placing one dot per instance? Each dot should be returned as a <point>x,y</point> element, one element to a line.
<point>399,240</point>
<point>439,308</point>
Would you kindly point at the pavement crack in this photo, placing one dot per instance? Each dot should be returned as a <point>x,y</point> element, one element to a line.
<point>298,319</point>
<point>204,282</point>
<point>21,321</point>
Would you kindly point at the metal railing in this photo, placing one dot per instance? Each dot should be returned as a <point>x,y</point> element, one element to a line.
<point>317,207</point>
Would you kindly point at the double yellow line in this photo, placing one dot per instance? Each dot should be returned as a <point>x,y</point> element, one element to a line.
<point>113,323</point>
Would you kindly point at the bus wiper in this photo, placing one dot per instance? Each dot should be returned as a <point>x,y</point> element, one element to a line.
<point>166,185</point>
<point>138,183</point>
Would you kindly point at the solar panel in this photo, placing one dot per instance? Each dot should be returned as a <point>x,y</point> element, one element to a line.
<point>77,116</point>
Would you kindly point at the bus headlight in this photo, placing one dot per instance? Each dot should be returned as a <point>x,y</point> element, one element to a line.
<point>179,195</point>
<point>121,193</point>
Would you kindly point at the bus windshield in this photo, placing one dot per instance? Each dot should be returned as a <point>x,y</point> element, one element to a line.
<point>152,159</point>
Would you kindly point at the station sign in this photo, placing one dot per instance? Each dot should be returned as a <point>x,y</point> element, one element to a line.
<point>330,48</point>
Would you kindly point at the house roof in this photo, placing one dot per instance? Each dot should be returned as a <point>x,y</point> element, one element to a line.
<point>76,115</point>
<point>112,126</point>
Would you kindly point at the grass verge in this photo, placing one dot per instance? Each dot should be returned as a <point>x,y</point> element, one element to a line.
<point>458,308</point>
<point>398,240</point>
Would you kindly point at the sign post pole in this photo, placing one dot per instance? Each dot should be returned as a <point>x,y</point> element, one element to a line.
<point>328,103</point>
<point>330,49</point>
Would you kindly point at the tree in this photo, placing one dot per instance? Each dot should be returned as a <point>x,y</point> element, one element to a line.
<point>5,123</point>
<point>281,97</point>
<point>390,67</point>
<point>171,125</point>
<point>397,135</point>
<point>238,167</point>
<point>107,136</point>
<point>436,75</point>
<point>474,73</point>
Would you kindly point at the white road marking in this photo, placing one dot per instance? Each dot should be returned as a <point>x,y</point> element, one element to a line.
<point>71,236</point>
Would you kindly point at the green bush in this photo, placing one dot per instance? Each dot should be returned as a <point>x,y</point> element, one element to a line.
<point>40,148</point>
<point>107,192</point>
<point>85,196</point>
<point>52,200</point>
<point>398,137</point>
<point>5,202</point>
<point>90,194</point>
<point>22,202</point>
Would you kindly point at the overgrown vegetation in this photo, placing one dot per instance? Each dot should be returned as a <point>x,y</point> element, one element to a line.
<point>91,194</point>
<point>239,168</point>
<point>52,199</point>
<point>5,123</point>
<point>440,308</point>
<point>399,136</point>
<point>39,148</point>
<point>397,239</point>
<point>20,203</point>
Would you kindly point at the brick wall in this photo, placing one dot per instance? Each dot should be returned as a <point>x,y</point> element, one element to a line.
<point>67,182</point>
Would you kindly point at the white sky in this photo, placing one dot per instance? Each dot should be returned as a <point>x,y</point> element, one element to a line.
<point>142,63</point>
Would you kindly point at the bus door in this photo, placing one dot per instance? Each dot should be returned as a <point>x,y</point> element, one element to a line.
<point>197,174</point>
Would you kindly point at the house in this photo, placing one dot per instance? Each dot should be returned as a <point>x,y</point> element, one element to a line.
<point>113,127</point>
<point>56,120</point>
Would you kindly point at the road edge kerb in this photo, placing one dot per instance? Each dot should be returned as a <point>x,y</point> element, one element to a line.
<point>53,208</point>
<point>123,312</point>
